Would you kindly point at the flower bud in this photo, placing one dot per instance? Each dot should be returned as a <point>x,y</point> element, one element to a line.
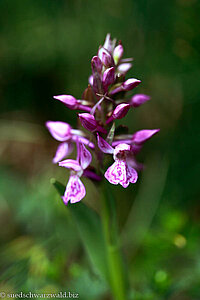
<point>128,85</point>
<point>68,100</point>
<point>108,77</point>
<point>96,72</point>
<point>119,112</point>
<point>96,64</point>
<point>139,99</point>
<point>88,122</point>
<point>105,57</point>
<point>118,53</point>
<point>109,44</point>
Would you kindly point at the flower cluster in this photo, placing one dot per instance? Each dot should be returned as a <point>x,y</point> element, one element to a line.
<point>103,102</point>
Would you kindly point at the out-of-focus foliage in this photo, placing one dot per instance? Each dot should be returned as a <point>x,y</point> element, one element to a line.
<point>46,47</point>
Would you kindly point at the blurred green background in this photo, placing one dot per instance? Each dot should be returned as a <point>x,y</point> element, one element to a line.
<point>45,50</point>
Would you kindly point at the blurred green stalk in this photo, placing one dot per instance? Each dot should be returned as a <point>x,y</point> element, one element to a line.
<point>117,278</point>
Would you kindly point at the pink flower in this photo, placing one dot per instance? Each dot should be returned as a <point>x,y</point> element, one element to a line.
<point>120,172</point>
<point>64,133</point>
<point>75,189</point>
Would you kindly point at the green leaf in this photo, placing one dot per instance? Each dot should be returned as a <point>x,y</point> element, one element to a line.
<point>91,233</point>
<point>111,133</point>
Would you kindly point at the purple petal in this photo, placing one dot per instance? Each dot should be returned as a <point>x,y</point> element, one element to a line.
<point>104,146</point>
<point>139,99</point>
<point>61,131</point>
<point>68,100</point>
<point>116,173</point>
<point>131,175</point>
<point>85,156</point>
<point>70,164</point>
<point>143,135</point>
<point>75,190</point>
<point>63,150</point>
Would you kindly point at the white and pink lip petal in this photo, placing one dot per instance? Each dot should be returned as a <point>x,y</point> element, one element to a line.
<point>131,173</point>
<point>75,190</point>
<point>116,173</point>
<point>63,150</point>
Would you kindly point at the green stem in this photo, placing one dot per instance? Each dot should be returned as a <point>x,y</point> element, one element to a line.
<point>115,264</point>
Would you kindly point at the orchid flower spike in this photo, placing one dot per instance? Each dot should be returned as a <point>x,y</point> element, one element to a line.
<point>102,103</point>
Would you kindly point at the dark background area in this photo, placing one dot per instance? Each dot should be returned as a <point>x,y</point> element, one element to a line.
<point>45,50</point>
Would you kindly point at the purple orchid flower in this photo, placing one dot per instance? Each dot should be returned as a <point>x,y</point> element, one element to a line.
<point>120,172</point>
<point>64,133</point>
<point>75,189</point>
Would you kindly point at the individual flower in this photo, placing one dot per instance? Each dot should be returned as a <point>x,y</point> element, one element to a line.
<point>120,172</point>
<point>75,189</point>
<point>64,133</point>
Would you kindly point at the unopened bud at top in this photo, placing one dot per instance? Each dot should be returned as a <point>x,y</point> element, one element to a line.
<point>109,44</point>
